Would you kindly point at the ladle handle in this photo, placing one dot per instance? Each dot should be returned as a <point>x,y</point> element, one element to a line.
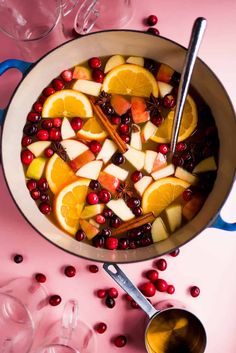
<point>115,272</point>
<point>194,44</point>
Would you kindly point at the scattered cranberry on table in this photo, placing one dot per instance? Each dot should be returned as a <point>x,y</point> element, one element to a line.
<point>120,341</point>
<point>152,20</point>
<point>152,275</point>
<point>101,327</point>
<point>110,302</point>
<point>194,291</point>
<point>113,292</point>
<point>170,289</point>
<point>175,252</point>
<point>18,258</point>
<point>40,277</point>
<point>161,264</point>
<point>93,268</point>
<point>148,289</point>
<point>101,293</point>
<point>134,305</point>
<point>54,300</point>
<point>153,30</point>
<point>161,285</point>
<point>70,271</point>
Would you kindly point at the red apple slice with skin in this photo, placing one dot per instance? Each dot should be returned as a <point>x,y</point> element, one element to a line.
<point>164,73</point>
<point>148,131</point>
<point>164,172</point>
<point>117,172</point>
<point>81,160</point>
<point>143,184</point>
<point>108,149</point>
<point>120,104</point>
<point>90,170</point>
<point>139,110</point>
<point>160,162</point>
<point>81,72</point>
<point>90,230</point>
<point>150,157</point>
<point>108,181</point>
<point>66,130</point>
<point>38,147</point>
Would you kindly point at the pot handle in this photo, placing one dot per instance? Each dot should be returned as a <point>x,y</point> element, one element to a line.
<point>123,281</point>
<point>22,66</point>
<point>221,224</point>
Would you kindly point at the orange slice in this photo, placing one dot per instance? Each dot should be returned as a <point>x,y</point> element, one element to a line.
<point>67,103</point>
<point>131,80</point>
<point>58,173</point>
<point>92,130</point>
<point>162,193</point>
<point>188,124</point>
<point>69,204</point>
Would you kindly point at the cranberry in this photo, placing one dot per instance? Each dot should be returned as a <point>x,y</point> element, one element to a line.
<point>67,75</point>
<point>55,134</point>
<point>153,30</point>
<point>128,297</point>
<point>107,213</point>
<point>181,146</point>
<point>124,128</point>
<point>164,149</point>
<point>42,99</point>
<point>120,341</point>
<point>137,211</point>
<point>111,243</point>
<point>152,275</point>
<point>170,289</point>
<point>187,195</point>
<point>123,243</point>
<point>100,219</point>
<point>136,176</point>
<point>169,101</point>
<point>118,158</point>
<point>152,20</point>
<point>115,222</point>
<point>48,91</point>
<point>45,208</point>
<point>94,63</point>
<point>110,302</point>
<point>54,300</point>
<point>94,185</point>
<point>48,152</point>
<point>26,141</point>
<point>101,327</point>
<point>104,196</point>
<point>146,228</point>
<point>38,107</point>
<point>98,241</point>
<point>133,244</point>
<point>44,197</point>
<point>30,129</point>
<point>108,110</point>
<point>93,268</point>
<point>31,184</point>
<point>92,198</point>
<point>18,258</point>
<point>80,235</point>
<point>161,285</point>
<point>157,120</point>
<point>98,75</point>
<point>135,233</point>
<point>47,124</point>
<point>112,292</point>
<point>101,293</point>
<point>35,194</point>
<point>115,120</point>
<point>70,271</point>
<point>161,264</point>
<point>26,157</point>
<point>194,291</point>
<point>126,119</point>
<point>42,135</point>
<point>33,117</point>
<point>178,161</point>
<point>57,84</point>
<point>76,123</point>
<point>95,146</point>
<point>134,305</point>
<point>106,232</point>
<point>42,184</point>
<point>40,277</point>
<point>57,122</point>
<point>133,202</point>
<point>174,253</point>
<point>125,138</point>
<point>148,289</point>
<point>146,241</point>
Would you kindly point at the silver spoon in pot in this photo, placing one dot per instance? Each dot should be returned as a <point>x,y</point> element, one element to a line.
<point>198,30</point>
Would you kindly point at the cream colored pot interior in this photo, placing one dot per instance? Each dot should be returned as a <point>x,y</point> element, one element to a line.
<point>108,43</point>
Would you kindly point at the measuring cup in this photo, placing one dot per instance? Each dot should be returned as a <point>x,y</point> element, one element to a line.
<point>172,329</point>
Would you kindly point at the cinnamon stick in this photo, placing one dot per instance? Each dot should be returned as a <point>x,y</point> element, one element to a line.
<point>109,128</point>
<point>134,223</point>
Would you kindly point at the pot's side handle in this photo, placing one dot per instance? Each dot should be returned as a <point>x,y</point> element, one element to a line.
<point>22,66</point>
<point>221,224</point>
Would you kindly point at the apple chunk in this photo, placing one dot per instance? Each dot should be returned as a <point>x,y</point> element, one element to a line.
<point>164,73</point>
<point>113,62</point>
<point>136,141</point>
<point>120,208</point>
<point>150,157</point>
<point>81,72</point>
<point>174,216</point>
<point>117,172</point>
<point>186,176</point>
<point>87,87</point>
<point>164,172</point>
<point>142,184</point>
<point>92,210</point>
<point>192,207</point>
<point>109,182</point>
<point>206,165</point>
<point>90,230</point>
<point>90,170</point>
<point>136,60</point>
<point>38,147</point>
<point>164,88</point>
<point>73,148</point>
<point>120,104</point>
<point>66,130</point>
<point>107,151</point>
<point>139,110</point>
<point>160,162</point>
<point>135,157</point>
<point>148,131</point>
<point>36,168</point>
<point>159,231</point>
<point>84,158</point>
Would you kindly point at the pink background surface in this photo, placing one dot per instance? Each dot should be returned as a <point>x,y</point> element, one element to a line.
<point>208,261</point>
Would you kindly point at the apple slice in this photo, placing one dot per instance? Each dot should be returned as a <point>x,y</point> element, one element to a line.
<point>108,181</point>
<point>148,131</point>
<point>136,60</point>
<point>90,230</point>
<point>66,130</point>
<point>113,62</point>
<point>164,73</point>
<point>120,104</point>
<point>206,165</point>
<point>120,208</point>
<point>142,184</point>
<point>87,87</point>
<point>94,223</point>
<point>117,172</point>
<point>159,231</point>
<point>164,172</point>
<point>81,72</point>
<point>160,162</point>
<point>36,168</point>
<point>139,110</point>
<point>186,176</point>
<point>174,216</point>
<point>81,160</point>
<point>90,170</point>
<point>92,210</point>
<point>38,147</point>
<point>150,157</point>
<point>136,141</point>
<point>135,157</point>
<point>192,207</point>
<point>73,148</point>
<point>164,88</point>
<point>108,149</point>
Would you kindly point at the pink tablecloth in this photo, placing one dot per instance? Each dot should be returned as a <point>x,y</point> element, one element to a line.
<point>208,261</point>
